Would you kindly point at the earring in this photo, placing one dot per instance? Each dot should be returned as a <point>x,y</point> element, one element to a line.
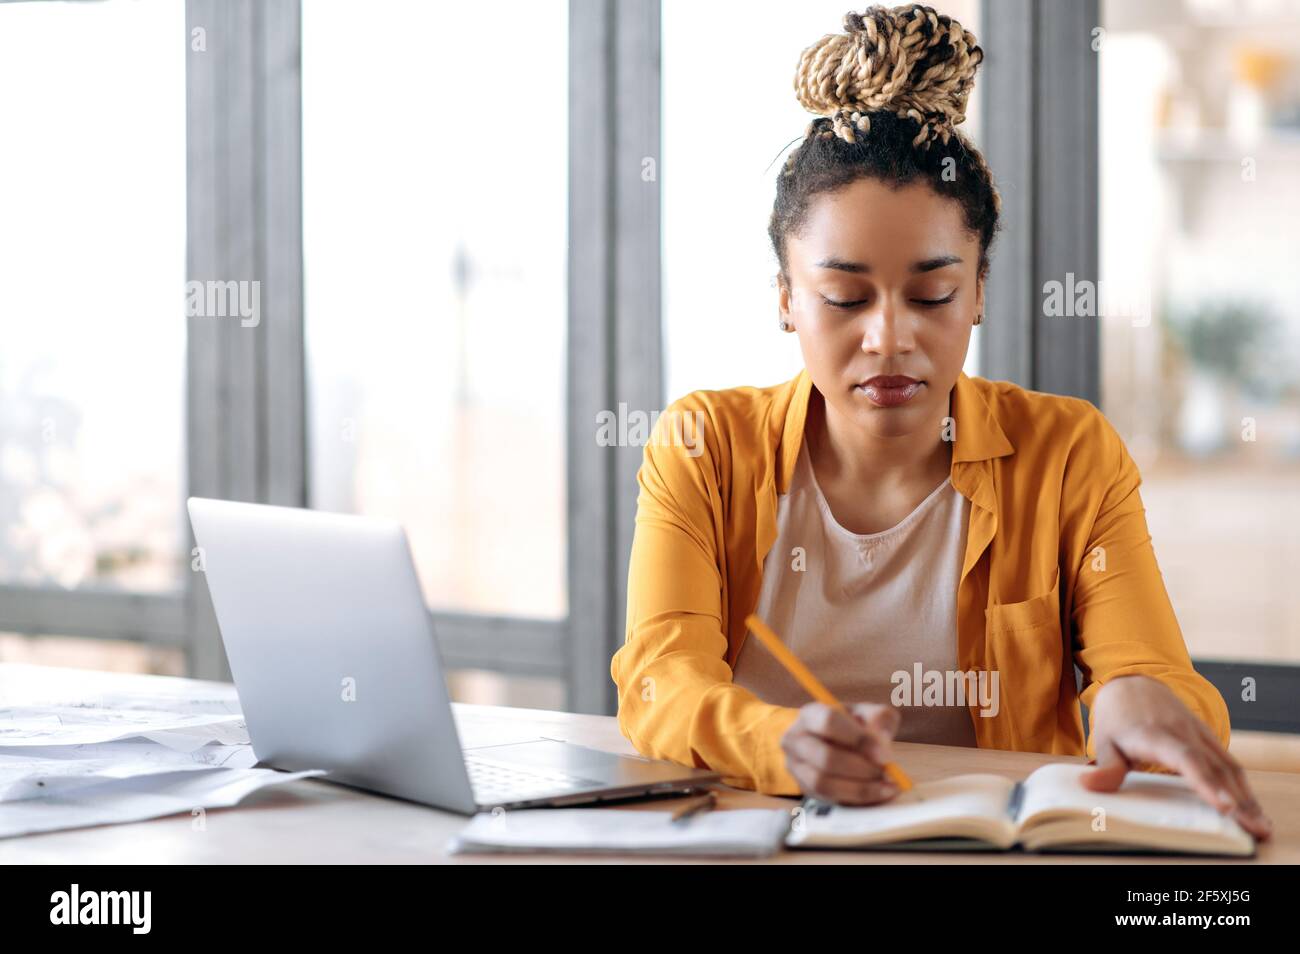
<point>979,318</point>
<point>783,324</point>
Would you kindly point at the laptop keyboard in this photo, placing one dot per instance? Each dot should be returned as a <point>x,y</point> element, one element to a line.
<point>495,782</point>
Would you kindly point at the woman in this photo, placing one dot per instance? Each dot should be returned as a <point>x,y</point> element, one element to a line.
<point>941,550</point>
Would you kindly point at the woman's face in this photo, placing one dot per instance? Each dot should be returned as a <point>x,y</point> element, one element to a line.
<point>883,282</point>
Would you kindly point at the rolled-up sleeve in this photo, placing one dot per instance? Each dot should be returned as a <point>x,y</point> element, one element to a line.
<point>676,697</point>
<point>1124,623</point>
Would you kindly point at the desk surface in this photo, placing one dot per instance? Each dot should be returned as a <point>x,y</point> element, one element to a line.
<point>312,821</point>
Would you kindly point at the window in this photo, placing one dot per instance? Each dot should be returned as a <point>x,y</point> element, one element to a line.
<point>435,222</point>
<point>1200,138</point>
<point>92,270</point>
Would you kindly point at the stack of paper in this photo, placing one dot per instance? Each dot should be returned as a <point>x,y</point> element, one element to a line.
<point>85,748</point>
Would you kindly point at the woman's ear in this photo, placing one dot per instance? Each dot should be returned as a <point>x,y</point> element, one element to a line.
<point>979,300</point>
<point>784,321</point>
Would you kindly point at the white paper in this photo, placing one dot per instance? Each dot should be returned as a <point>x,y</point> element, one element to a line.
<point>34,772</point>
<point>136,799</point>
<point>80,747</point>
<point>189,738</point>
<point>23,684</point>
<point>75,725</point>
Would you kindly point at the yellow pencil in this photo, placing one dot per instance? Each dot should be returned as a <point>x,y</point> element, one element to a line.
<point>813,685</point>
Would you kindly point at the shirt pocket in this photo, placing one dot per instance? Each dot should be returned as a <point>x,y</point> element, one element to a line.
<point>1025,649</point>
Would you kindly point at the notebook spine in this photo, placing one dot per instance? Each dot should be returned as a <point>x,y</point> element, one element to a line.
<point>1017,798</point>
<point>816,806</point>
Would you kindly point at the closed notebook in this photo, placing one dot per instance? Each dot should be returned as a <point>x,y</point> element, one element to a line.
<point>1049,811</point>
<point>744,833</point>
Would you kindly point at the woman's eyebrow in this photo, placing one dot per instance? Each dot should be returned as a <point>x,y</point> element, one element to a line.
<point>929,265</point>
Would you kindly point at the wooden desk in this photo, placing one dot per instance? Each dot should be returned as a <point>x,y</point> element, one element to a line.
<point>311,821</point>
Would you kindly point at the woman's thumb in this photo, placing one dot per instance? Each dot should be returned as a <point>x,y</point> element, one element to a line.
<point>1112,766</point>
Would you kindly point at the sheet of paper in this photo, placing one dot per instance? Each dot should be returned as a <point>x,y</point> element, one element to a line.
<point>189,738</point>
<point>46,725</point>
<point>136,799</point>
<point>22,684</point>
<point>35,772</point>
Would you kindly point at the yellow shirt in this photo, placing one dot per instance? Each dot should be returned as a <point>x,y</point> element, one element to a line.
<point>1058,570</point>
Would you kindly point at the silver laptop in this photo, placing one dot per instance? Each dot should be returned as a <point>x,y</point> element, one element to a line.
<point>334,657</point>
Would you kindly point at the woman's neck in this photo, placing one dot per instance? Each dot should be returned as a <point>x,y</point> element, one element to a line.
<point>838,446</point>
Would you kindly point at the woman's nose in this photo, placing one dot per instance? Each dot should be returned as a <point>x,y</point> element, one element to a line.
<point>886,333</point>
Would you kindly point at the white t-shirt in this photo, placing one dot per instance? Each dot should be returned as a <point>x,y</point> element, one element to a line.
<point>859,608</point>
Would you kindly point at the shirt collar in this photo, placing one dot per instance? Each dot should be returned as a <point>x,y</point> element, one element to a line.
<point>978,434</point>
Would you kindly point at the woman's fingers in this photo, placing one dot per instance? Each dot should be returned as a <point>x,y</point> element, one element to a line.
<point>829,752</point>
<point>1199,760</point>
<point>881,724</point>
<point>831,724</point>
<point>834,788</point>
<point>832,759</point>
<point>1219,780</point>
<point>1234,776</point>
<point>1199,764</point>
<point>1247,809</point>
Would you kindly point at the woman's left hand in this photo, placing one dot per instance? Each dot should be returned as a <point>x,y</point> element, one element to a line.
<point>1138,719</point>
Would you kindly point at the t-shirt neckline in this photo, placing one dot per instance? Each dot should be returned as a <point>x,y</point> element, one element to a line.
<point>805,462</point>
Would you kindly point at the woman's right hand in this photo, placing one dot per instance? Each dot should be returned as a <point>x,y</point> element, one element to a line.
<point>840,758</point>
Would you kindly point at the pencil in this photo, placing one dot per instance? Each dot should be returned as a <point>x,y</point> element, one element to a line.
<point>703,803</point>
<point>813,685</point>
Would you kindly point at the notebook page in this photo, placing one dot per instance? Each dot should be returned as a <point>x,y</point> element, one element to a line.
<point>1145,798</point>
<point>928,803</point>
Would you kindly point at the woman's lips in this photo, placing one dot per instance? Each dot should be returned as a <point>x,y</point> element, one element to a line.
<point>890,390</point>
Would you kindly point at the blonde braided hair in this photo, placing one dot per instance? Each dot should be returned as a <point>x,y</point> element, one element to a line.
<point>910,60</point>
<point>890,92</point>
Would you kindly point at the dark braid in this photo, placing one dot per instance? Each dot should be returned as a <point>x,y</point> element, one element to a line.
<point>892,88</point>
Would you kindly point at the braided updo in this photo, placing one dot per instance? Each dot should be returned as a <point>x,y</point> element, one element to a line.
<point>890,91</point>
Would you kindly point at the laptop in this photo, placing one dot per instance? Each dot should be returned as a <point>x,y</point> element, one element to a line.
<point>337,667</point>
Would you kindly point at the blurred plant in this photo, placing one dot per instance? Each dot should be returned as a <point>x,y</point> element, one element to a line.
<point>1238,341</point>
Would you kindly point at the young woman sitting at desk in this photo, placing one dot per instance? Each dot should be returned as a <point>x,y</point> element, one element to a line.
<point>889,516</point>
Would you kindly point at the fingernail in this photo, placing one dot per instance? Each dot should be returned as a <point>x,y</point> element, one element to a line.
<point>1225,799</point>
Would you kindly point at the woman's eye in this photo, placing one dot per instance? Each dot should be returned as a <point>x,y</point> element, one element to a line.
<point>926,302</point>
<point>933,302</point>
<point>844,304</point>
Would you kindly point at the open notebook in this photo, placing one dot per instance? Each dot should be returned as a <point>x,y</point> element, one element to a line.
<point>1050,811</point>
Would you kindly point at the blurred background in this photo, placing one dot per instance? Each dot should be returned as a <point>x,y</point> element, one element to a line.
<point>478,227</point>
<point>1200,196</point>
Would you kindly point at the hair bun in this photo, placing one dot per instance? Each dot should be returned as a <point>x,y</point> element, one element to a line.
<point>909,60</point>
